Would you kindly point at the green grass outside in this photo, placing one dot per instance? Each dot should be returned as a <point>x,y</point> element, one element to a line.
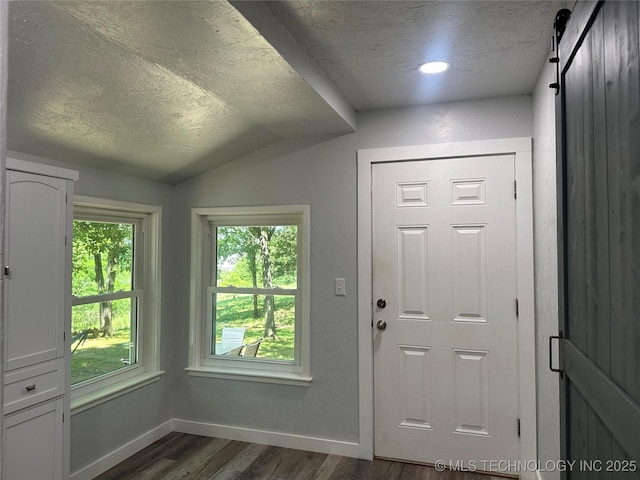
<point>97,356</point>
<point>237,311</point>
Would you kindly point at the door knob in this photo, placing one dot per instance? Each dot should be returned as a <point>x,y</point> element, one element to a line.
<point>381,303</point>
<point>381,324</point>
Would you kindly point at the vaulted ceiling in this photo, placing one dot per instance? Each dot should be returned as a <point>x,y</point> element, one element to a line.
<point>168,89</point>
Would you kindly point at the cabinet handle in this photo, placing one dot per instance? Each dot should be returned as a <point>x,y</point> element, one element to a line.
<point>31,388</point>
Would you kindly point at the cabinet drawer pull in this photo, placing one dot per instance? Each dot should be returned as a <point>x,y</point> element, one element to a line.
<point>31,388</point>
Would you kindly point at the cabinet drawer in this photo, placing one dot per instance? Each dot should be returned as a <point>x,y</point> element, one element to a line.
<point>31,385</point>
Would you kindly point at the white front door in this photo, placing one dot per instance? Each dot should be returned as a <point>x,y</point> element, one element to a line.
<point>444,262</point>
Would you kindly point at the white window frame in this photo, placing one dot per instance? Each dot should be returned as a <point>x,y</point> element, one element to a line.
<point>148,221</point>
<point>203,261</point>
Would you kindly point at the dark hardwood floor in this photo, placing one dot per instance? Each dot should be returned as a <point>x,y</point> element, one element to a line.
<point>192,457</point>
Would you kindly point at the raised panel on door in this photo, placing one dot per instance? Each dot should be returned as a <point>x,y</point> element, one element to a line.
<point>471,373</point>
<point>413,282</point>
<point>469,273</point>
<point>34,442</point>
<point>415,386</point>
<point>35,255</point>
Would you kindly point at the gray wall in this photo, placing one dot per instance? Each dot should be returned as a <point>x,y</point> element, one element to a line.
<point>323,176</point>
<point>546,280</point>
<point>102,429</point>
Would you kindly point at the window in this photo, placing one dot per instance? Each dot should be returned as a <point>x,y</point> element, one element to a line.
<point>249,309</point>
<point>115,299</point>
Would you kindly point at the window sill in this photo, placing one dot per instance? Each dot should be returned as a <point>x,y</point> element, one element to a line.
<point>251,375</point>
<point>91,399</point>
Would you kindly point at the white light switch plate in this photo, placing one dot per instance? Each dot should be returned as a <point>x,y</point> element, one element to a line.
<point>340,287</point>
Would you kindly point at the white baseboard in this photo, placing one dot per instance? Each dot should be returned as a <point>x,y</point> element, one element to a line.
<point>125,451</point>
<point>299,442</point>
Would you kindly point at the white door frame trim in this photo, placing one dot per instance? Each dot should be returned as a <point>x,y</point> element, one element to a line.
<point>521,148</point>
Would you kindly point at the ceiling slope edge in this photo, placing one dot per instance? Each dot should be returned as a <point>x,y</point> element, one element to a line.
<point>261,17</point>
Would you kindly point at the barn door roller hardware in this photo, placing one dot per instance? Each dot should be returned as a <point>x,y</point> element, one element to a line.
<point>551,339</point>
<point>562,17</point>
<point>560,24</point>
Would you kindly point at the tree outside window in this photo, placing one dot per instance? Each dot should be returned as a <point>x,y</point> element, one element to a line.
<point>255,287</point>
<point>105,301</point>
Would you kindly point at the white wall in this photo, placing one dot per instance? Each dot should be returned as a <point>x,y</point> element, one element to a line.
<point>98,431</point>
<point>323,176</point>
<point>546,273</point>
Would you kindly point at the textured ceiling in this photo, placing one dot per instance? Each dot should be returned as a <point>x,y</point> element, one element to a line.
<point>162,90</point>
<point>168,89</point>
<point>372,50</point>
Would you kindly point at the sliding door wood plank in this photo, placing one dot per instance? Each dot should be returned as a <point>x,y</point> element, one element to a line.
<point>599,444</point>
<point>601,208</point>
<point>575,203</point>
<point>623,148</point>
<point>590,320</point>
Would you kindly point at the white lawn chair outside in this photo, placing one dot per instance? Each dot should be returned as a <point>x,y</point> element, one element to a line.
<point>232,337</point>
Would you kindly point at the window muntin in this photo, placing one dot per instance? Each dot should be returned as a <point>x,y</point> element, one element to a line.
<point>215,284</point>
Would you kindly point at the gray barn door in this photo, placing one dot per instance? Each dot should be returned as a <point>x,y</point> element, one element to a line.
<point>599,198</point>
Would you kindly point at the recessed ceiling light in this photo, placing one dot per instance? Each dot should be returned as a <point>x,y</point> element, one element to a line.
<point>434,67</point>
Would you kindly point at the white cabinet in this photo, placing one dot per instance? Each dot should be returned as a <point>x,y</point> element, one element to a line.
<point>34,443</point>
<point>39,215</point>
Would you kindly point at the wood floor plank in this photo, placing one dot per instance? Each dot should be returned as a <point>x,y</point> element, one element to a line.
<point>311,463</point>
<point>353,469</point>
<point>188,449</point>
<point>222,458</point>
<point>134,465</point>
<point>328,466</point>
<point>264,466</point>
<point>303,465</point>
<point>279,463</point>
<point>157,469</point>
<point>196,461</point>
<point>179,456</point>
<point>420,472</point>
<point>240,463</point>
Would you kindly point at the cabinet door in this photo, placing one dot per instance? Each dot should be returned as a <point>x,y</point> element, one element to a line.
<point>35,255</point>
<point>33,443</point>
